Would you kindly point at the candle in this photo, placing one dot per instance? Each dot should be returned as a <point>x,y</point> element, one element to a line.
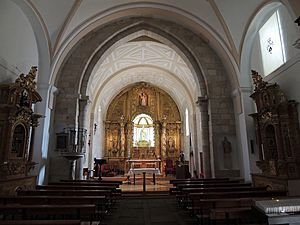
<point>263,152</point>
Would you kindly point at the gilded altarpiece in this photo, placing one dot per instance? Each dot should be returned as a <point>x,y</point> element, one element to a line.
<point>142,122</point>
<point>277,135</point>
<point>17,131</point>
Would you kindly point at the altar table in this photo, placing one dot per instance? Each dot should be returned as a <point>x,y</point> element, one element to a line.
<point>145,169</point>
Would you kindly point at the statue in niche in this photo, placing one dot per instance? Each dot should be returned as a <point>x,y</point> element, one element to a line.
<point>143,134</point>
<point>171,145</point>
<point>24,101</point>
<point>143,99</point>
<point>181,158</point>
<point>227,153</point>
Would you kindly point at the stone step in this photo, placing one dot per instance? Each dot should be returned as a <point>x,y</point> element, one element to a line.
<point>147,194</point>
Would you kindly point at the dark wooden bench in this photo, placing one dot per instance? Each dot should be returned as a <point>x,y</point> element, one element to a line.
<point>229,211</point>
<point>186,192</point>
<point>226,205</point>
<point>79,211</point>
<point>101,202</point>
<point>94,181</point>
<point>200,179</point>
<point>176,182</point>
<point>177,189</point>
<point>40,222</point>
<point>117,185</point>
<point>114,195</point>
<point>111,197</point>
<point>66,192</point>
<point>75,187</point>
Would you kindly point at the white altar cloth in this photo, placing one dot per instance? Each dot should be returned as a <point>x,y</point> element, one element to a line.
<point>142,170</point>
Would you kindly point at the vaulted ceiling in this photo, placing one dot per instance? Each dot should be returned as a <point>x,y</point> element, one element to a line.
<point>226,20</point>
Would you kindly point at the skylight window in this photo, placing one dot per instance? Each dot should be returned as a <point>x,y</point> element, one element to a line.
<point>271,43</point>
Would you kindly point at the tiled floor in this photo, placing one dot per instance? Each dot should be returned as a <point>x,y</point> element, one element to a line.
<point>158,208</point>
<point>147,210</point>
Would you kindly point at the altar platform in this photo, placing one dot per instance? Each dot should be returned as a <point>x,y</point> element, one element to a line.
<point>162,183</point>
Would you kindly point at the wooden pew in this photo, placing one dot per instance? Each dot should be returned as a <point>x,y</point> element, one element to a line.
<point>94,181</point>
<point>186,192</point>
<point>79,211</point>
<point>40,222</point>
<point>230,210</point>
<point>110,196</point>
<point>74,187</point>
<point>197,200</point>
<point>65,192</point>
<point>199,179</point>
<point>101,202</point>
<point>177,189</point>
<point>114,195</point>
<point>214,185</point>
<point>117,185</point>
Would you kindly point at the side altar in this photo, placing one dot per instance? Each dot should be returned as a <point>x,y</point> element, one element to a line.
<point>277,137</point>
<point>17,132</point>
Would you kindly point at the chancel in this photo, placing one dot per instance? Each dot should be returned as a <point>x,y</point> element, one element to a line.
<point>152,107</point>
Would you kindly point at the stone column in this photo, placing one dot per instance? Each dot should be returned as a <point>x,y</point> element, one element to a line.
<point>203,107</point>
<point>82,114</point>
<point>244,123</point>
<point>41,140</point>
<point>83,105</point>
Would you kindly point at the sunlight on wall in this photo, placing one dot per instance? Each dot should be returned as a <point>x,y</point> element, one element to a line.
<point>187,127</point>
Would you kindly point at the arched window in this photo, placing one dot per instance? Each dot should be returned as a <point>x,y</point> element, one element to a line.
<point>271,44</point>
<point>143,131</point>
<point>187,126</point>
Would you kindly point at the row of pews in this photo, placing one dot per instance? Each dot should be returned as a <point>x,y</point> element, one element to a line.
<point>221,200</point>
<point>68,202</point>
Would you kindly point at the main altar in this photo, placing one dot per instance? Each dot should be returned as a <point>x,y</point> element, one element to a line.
<point>142,129</point>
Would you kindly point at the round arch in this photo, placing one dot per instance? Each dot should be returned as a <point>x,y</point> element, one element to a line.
<point>213,81</point>
<point>162,11</point>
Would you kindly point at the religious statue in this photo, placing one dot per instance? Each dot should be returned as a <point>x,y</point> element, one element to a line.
<point>258,81</point>
<point>24,101</point>
<point>143,134</point>
<point>181,158</point>
<point>171,143</point>
<point>143,98</point>
<point>227,153</point>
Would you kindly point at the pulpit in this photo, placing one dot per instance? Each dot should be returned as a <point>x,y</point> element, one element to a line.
<point>182,171</point>
<point>97,167</point>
